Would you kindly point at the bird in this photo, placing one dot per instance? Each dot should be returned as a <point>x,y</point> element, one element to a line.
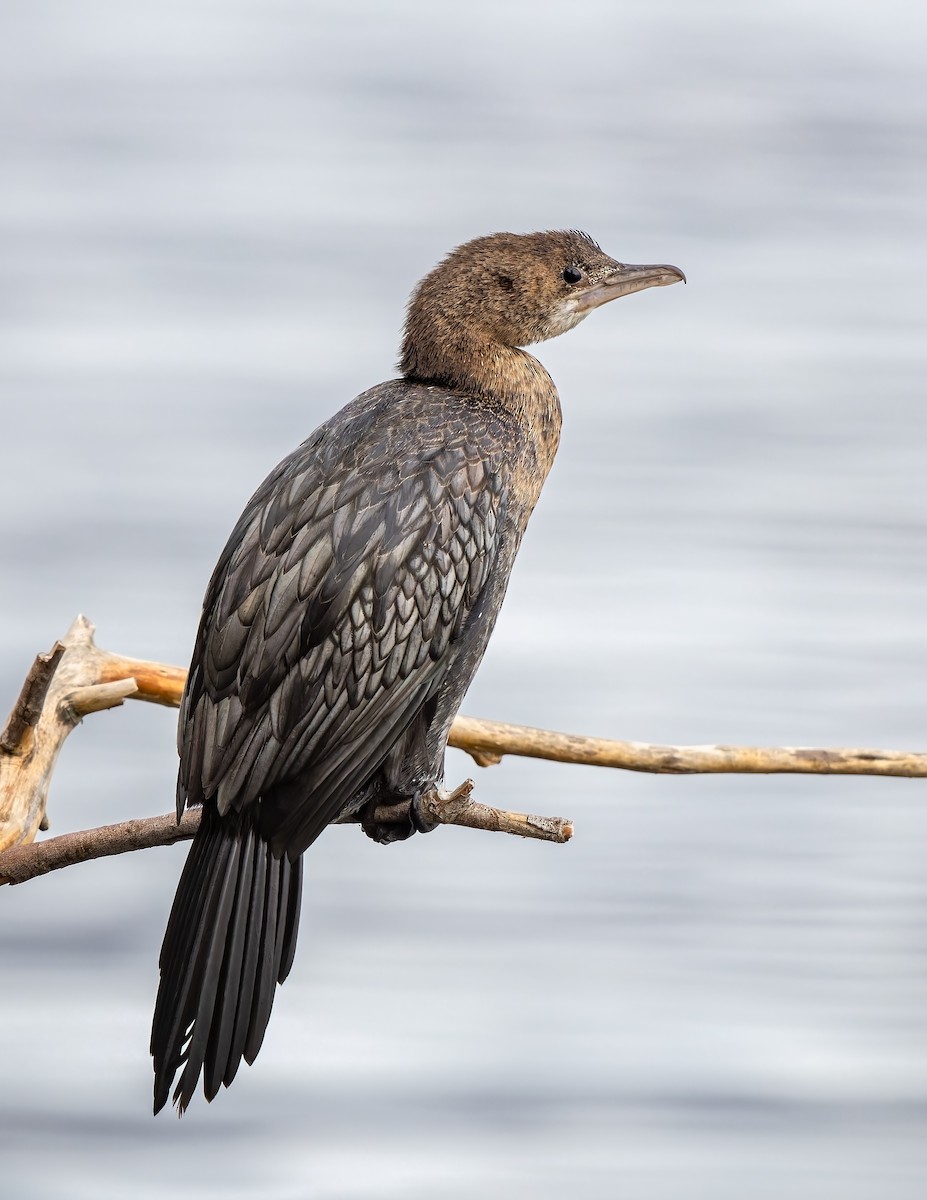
<point>345,619</point>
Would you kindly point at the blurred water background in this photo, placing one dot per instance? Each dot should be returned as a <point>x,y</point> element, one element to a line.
<point>211,216</point>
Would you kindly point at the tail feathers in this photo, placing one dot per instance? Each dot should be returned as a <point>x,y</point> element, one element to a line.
<point>230,940</point>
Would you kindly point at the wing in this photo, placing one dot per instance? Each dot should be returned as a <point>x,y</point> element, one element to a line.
<point>332,615</point>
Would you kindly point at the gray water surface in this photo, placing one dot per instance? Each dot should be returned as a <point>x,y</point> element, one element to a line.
<point>211,216</point>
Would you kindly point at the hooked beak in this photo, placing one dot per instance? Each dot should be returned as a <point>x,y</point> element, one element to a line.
<point>625,279</point>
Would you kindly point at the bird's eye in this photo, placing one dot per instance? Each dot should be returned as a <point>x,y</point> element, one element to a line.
<point>572,274</point>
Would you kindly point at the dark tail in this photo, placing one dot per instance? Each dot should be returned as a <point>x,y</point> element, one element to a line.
<point>230,940</point>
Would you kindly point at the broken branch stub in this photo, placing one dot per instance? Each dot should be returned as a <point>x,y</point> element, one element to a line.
<point>61,687</point>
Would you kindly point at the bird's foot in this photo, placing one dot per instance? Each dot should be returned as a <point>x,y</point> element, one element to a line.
<point>387,823</point>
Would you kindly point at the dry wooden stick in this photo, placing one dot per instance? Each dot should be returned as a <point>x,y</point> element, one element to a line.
<point>29,861</point>
<point>488,741</point>
<point>22,863</point>
<point>62,687</point>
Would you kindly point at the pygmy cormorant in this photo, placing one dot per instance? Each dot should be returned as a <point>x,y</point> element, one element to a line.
<point>346,617</point>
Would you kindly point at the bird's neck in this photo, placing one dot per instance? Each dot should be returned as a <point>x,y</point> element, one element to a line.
<point>503,376</point>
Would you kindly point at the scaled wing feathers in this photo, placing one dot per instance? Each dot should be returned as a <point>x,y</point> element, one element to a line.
<point>332,616</point>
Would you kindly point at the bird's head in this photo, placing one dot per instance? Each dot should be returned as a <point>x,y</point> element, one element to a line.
<point>514,289</point>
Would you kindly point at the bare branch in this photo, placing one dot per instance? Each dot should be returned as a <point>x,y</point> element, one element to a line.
<point>28,707</point>
<point>492,739</point>
<point>27,862</point>
<point>42,718</point>
<point>95,697</point>
<point>458,809</point>
<point>61,688</point>
<point>158,683</point>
